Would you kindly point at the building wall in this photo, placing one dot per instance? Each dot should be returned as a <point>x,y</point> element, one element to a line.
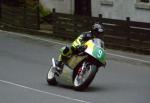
<point>115,9</point>
<point>120,9</point>
<point>63,6</point>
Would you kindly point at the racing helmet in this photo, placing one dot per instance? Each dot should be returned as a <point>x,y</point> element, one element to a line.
<point>97,29</point>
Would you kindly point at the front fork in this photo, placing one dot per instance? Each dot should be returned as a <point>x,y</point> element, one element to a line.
<point>54,67</point>
<point>53,62</point>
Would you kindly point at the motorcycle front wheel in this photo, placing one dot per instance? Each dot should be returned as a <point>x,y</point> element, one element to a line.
<point>51,77</point>
<point>83,79</point>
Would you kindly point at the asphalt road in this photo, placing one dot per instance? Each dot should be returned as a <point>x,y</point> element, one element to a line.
<point>24,63</point>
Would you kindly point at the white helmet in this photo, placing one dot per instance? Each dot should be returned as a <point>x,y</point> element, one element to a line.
<point>97,28</point>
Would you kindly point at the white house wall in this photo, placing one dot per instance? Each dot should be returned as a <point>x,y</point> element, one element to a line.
<point>115,9</point>
<point>120,9</point>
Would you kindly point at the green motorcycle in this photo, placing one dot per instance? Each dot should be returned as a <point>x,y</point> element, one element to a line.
<point>80,69</point>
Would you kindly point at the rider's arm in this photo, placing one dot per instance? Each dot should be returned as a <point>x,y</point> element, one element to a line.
<point>77,42</point>
<point>87,36</point>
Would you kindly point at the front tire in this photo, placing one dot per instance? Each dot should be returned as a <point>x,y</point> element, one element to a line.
<point>51,77</point>
<point>82,82</point>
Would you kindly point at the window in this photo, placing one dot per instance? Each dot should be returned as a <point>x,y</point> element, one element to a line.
<point>142,4</point>
<point>145,1</point>
<point>107,2</point>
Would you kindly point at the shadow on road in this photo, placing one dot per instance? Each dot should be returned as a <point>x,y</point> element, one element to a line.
<point>89,89</point>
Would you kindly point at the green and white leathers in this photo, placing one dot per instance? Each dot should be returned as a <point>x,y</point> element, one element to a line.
<point>80,69</point>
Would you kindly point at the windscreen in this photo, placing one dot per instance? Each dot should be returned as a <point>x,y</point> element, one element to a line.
<point>98,42</point>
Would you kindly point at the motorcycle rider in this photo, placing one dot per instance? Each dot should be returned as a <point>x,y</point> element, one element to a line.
<point>78,44</point>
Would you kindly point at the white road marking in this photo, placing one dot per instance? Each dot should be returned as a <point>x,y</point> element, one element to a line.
<point>136,59</point>
<point>59,43</point>
<point>40,91</point>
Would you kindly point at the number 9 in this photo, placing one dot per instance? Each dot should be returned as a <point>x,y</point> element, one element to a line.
<point>99,53</point>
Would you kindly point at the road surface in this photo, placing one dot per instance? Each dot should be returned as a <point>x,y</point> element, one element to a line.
<point>25,60</point>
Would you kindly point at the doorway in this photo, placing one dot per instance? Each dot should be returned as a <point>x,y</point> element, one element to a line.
<point>83,7</point>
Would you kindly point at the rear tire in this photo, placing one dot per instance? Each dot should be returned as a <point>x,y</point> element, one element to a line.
<point>51,77</point>
<point>91,74</point>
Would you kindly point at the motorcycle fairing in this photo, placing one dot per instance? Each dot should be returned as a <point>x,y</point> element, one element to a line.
<point>66,76</point>
<point>75,60</point>
<point>95,51</point>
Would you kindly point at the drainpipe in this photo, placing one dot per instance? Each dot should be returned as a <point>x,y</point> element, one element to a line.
<point>71,6</point>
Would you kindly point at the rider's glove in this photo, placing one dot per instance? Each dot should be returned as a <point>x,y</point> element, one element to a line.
<point>81,48</point>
